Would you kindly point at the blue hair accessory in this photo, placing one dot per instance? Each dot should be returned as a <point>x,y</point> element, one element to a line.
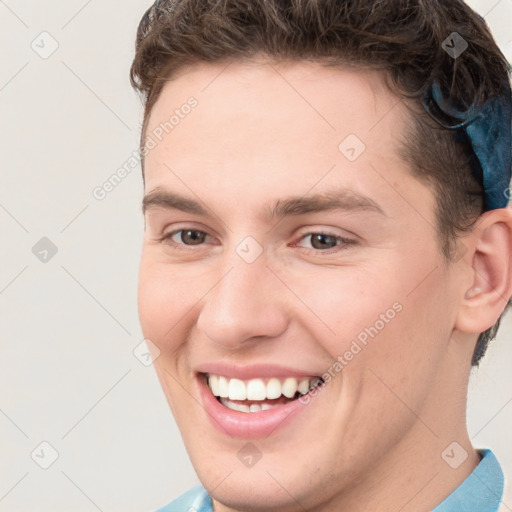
<point>488,132</point>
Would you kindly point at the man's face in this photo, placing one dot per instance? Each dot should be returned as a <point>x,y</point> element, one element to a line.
<point>302,254</point>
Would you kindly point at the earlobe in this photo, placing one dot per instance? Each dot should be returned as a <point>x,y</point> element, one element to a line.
<point>491,270</point>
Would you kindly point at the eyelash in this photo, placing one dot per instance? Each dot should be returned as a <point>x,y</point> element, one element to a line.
<point>342,243</point>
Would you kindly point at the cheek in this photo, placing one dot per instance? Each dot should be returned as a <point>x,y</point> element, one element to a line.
<point>164,299</point>
<point>403,358</point>
<point>346,305</point>
<point>155,298</point>
<point>390,319</point>
<point>167,291</point>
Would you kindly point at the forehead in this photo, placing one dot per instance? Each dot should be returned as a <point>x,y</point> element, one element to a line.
<point>276,127</point>
<point>327,99</point>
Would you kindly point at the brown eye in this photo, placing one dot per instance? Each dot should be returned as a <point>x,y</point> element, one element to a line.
<point>323,241</point>
<point>191,236</point>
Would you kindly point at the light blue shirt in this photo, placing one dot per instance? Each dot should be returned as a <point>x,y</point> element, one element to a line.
<point>480,492</point>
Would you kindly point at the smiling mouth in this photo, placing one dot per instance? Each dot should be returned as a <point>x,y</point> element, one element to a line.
<point>260,394</point>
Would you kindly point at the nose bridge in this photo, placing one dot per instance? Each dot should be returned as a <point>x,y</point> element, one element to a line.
<point>242,304</point>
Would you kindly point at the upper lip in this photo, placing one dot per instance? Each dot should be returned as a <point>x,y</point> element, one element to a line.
<point>253,371</point>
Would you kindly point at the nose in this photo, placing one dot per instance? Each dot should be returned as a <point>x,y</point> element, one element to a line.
<point>245,304</point>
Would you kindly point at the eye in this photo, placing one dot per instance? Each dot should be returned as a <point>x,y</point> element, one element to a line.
<point>323,241</point>
<point>185,237</point>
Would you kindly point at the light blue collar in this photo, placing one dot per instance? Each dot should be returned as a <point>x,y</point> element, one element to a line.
<point>194,500</point>
<point>481,491</point>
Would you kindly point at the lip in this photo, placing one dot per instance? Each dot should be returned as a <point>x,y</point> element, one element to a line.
<point>252,371</point>
<point>248,425</point>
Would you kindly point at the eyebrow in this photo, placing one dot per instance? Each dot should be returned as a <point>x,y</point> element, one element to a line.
<point>344,199</point>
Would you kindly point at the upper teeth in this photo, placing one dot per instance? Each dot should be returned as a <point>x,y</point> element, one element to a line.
<point>258,389</point>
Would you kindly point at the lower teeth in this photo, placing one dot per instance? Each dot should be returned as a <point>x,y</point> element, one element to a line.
<point>235,406</point>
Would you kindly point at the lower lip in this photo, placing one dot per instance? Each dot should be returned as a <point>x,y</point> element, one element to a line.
<point>247,424</point>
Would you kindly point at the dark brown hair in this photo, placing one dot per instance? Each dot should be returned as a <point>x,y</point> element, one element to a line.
<point>403,38</point>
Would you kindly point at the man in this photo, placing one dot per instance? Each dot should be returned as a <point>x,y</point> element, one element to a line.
<point>328,248</point>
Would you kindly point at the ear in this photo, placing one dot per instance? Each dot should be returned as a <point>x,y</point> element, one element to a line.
<point>491,272</point>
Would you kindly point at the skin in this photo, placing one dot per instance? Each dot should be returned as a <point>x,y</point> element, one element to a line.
<point>372,438</point>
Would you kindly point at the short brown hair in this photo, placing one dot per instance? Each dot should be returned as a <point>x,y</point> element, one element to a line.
<point>403,38</point>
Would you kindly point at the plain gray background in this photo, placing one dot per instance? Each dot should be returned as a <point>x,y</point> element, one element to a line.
<point>69,327</point>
